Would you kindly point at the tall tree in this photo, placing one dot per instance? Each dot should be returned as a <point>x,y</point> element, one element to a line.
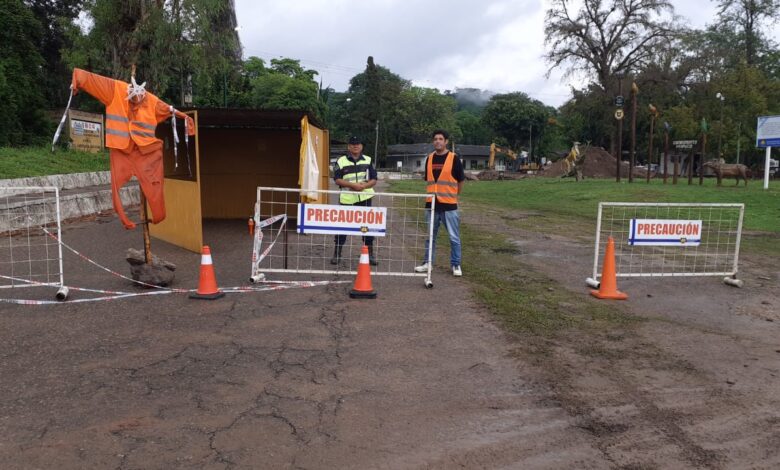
<point>21,77</point>
<point>173,43</point>
<point>607,37</point>
<point>56,18</point>
<point>517,118</point>
<point>746,17</point>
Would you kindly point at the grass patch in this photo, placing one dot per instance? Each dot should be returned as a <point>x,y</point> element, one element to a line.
<point>579,200</point>
<point>569,208</point>
<point>40,161</point>
<point>525,300</point>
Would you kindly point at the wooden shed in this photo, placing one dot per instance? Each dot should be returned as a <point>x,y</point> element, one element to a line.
<point>234,152</point>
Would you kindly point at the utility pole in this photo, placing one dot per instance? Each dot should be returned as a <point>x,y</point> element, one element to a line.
<point>376,143</point>
<point>530,142</point>
<point>739,139</point>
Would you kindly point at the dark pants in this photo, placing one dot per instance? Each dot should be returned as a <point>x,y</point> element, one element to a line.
<point>340,239</point>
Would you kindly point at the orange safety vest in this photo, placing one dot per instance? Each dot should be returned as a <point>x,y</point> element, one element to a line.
<point>121,126</point>
<point>446,187</point>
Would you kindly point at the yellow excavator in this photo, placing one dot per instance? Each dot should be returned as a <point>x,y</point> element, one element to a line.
<point>495,149</point>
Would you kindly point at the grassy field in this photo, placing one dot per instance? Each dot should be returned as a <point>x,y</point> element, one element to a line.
<point>578,201</point>
<point>39,161</point>
<point>569,208</point>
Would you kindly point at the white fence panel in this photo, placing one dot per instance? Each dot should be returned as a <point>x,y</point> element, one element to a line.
<point>279,248</point>
<point>712,252</point>
<point>30,253</point>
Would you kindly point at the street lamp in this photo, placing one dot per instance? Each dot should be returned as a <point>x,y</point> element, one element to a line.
<point>720,128</point>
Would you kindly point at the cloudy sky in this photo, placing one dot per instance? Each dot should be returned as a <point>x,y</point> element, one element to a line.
<point>488,44</point>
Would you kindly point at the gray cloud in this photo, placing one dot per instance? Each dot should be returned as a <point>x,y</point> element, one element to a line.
<point>491,44</point>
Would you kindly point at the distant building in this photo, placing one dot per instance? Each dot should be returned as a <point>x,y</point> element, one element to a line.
<point>412,156</point>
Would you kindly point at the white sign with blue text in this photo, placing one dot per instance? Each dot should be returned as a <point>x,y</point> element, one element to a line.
<point>342,220</point>
<point>768,131</point>
<point>665,232</point>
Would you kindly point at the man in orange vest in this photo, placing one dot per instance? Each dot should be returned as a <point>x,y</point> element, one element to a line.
<point>445,176</point>
<point>132,115</point>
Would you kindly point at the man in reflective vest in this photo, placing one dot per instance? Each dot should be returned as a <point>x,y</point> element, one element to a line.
<point>445,176</point>
<point>356,177</point>
<point>132,115</point>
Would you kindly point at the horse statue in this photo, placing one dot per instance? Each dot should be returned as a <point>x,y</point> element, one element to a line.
<point>723,169</point>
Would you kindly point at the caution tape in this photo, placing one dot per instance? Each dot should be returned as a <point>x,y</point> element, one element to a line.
<point>258,257</point>
<point>275,286</point>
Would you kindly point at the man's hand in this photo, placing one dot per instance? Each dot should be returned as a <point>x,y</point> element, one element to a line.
<point>358,186</point>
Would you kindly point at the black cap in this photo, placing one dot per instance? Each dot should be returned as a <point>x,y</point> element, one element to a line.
<point>355,140</point>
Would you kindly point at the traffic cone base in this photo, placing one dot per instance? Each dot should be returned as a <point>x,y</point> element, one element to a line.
<point>617,295</point>
<point>608,286</point>
<point>207,284</point>
<point>214,296</point>
<point>362,288</point>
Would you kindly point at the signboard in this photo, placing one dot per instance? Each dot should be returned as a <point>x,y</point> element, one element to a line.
<point>399,164</point>
<point>86,131</point>
<point>619,101</point>
<point>342,220</point>
<point>684,144</point>
<point>619,114</point>
<point>768,131</point>
<point>665,232</point>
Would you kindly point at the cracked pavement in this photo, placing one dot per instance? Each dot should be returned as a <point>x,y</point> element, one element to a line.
<point>301,378</point>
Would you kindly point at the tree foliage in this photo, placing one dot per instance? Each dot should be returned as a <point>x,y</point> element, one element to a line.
<point>606,37</point>
<point>22,87</point>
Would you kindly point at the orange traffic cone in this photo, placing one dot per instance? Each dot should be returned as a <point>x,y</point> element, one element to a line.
<point>362,288</point>
<point>608,286</point>
<point>207,286</point>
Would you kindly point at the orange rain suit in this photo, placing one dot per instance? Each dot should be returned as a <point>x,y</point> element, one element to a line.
<point>130,135</point>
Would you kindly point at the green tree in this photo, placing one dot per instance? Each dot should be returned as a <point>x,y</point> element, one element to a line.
<point>285,85</point>
<point>177,46</point>
<point>21,78</point>
<point>473,129</point>
<point>746,17</point>
<point>520,120</point>
<point>56,18</point>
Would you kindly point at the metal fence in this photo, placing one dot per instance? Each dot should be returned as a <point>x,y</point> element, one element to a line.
<point>281,245</point>
<point>708,245</point>
<point>30,253</point>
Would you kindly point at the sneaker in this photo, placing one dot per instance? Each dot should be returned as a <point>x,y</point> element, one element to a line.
<point>456,271</point>
<point>423,268</point>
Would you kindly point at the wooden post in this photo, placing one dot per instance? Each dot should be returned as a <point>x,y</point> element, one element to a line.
<point>691,160</point>
<point>620,135</point>
<point>145,223</point>
<point>701,160</point>
<point>650,152</point>
<point>666,153</point>
<point>632,161</point>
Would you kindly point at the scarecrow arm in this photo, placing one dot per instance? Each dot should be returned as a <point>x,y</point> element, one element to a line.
<point>163,112</point>
<point>96,85</point>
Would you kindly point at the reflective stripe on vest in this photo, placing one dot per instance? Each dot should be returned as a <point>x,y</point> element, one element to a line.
<point>121,126</point>
<point>446,187</point>
<point>354,172</point>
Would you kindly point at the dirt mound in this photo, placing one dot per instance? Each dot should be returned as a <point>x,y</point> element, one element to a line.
<point>492,175</point>
<point>598,163</point>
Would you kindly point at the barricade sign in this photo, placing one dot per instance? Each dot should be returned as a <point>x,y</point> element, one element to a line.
<point>309,238</point>
<point>342,220</point>
<point>669,239</point>
<point>665,232</point>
